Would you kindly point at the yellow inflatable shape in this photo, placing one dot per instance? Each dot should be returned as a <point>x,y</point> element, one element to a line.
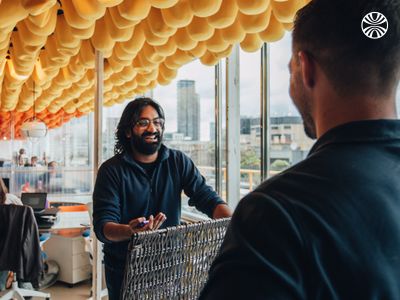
<point>251,43</point>
<point>142,80</point>
<point>150,54</point>
<point>108,71</point>
<point>252,7</point>
<point>117,34</point>
<point>110,3</point>
<point>152,74</point>
<point>38,74</point>
<point>85,33</point>
<point>167,73</point>
<point>64,36</point>
<point>131,85</point>
<point>199,50</point>
<point>225,16</point>
<point>288,26</point>
<point>119,20</point>
<point>209,59</point>
<point>86,54</point>
<point>199,29</point>
<point>136,42</point>
<point>5,41</point>
<point>234,33</point>
<point>217,43</point>
<point>73,18</point>
<point>120,52</point>
<point>167,49</point>
<point>285,11</point>
<point>274,32</point>
<point>89,9</point>
<point>11,19</point>
<point>101,39</point>
<point>116,80</point>
<point>21,51</point>
<point>181,57</point>
<point>28,37</point>
<point>141,63</point>
<point>163,3</point>
<point>171,63</point>
<point>254,23</point>
<point>205,8</point>
<point>179,15</point>
<point>152,84</point>
<point>128,73</point>
<point>46,18</point>
<point>115,64</point>
<point>150,37</point>
<point>157,26</point>
<point>69,107</point>
<point>36,7</point>
<point>134,10</point>
<point>183,40</point>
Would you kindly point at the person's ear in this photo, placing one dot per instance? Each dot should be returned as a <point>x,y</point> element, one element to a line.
<point>307,67</point>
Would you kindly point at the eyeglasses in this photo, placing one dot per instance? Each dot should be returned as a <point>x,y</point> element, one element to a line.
<point>145,123</point>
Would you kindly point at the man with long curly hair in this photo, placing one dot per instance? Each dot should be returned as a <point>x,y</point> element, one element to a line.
<point>140,187</point>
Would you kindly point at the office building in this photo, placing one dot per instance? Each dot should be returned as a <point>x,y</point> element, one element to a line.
<point>188,110</point>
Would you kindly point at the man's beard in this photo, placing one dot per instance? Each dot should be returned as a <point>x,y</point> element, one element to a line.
<point>139,143</point>
<point>303,105</point>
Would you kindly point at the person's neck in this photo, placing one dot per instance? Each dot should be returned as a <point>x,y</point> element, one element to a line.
<point>144,158</point>
<point>335,111</point>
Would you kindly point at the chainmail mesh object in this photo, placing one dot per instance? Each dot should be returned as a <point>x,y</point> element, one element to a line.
<point>172,263</point>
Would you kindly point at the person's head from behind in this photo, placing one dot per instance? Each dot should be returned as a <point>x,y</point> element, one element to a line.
<point>140,128</point>
<point>3,191</point>
<point>327,37</point>
<point>21,151</point>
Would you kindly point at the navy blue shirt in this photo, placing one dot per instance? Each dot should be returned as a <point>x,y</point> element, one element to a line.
<point>124,191</point>
<point>327,228</point>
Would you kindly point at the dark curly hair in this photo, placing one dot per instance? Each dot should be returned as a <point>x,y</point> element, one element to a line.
<point>130,116</point>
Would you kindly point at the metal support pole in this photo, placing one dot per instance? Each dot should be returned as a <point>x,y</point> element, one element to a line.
<point>265,113</point>
<point>218,128</point>
<point>98,109</point>
<point>233,128</point>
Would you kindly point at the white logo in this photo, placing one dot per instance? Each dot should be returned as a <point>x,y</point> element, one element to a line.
<point>374,25</point>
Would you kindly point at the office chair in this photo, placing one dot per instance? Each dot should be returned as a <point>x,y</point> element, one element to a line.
<point>17,226</point>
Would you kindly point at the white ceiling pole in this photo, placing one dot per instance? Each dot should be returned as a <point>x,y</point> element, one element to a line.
<point>98,113</point>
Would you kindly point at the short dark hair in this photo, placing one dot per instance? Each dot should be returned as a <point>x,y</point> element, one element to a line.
<point>130,116</point>
<point>330,31</point>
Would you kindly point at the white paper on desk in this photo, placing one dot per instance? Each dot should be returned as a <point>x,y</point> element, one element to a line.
<point>72,219</point>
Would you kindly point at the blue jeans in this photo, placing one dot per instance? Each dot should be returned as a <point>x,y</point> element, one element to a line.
<point>114,278</point>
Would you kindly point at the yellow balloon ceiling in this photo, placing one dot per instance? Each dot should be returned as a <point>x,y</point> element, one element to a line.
<point>47,48</point>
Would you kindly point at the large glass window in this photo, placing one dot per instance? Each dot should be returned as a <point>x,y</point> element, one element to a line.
<point>250,129</point>
<point>289,143</point>
<point>188,102</point>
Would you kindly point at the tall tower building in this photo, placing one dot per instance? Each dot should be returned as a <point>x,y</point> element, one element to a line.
<point>188,110</point>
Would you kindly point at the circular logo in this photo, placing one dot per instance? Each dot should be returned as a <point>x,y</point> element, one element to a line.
<point>374,25</point>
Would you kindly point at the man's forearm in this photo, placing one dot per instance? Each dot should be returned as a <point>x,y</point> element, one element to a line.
<point>117,232</point>
<point>222,211</point>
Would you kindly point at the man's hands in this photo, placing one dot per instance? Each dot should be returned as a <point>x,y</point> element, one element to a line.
<point>153,223</point>
<point>120,232</point>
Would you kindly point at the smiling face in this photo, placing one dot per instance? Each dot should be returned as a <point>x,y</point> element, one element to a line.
<point>147,132</point>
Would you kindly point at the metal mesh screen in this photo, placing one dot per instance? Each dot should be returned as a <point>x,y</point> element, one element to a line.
<point>172,263</point>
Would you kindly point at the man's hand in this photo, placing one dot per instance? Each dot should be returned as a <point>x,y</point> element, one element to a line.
<point>153,224</point>
<point>121,232</point>
<point>222,211</point>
